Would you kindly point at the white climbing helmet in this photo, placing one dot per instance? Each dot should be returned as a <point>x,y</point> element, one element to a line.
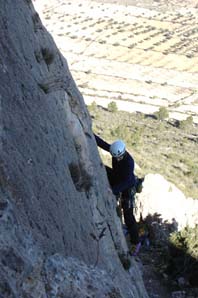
<point>118,148</point>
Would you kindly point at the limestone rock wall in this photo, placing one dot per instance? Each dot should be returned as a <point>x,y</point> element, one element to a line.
<point>53,199</point>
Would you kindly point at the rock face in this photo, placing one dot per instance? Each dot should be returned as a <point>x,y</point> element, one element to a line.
<point>55,215</point>
<point>163,201</point>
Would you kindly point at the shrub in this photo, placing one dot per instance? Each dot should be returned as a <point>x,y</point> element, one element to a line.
<point>122,132</point>
<point>136,136</point>
<point>118,132</point>
<point>187,123</point>
<point>184,253</point>
<point>73,37</point>
<point>116,44</point>
<point>93,107</point>
<point>112,107</point>
<point>162,113</point>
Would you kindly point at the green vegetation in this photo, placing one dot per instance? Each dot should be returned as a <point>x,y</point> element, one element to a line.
<point>93,107</point>
<point>157,146</point>
<point>188,239</point>
<point>112,107</point>
<point>187,123</point>
<point>162,113</point>
<point>183,257</point>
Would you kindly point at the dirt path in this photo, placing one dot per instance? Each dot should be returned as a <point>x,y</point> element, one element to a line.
<point>156,285</point>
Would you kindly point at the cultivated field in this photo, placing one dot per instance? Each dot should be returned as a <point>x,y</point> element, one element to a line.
<point>143,55</point>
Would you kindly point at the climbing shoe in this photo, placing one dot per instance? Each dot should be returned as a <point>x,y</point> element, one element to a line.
<point>135,248</point>
<point>143,242</point>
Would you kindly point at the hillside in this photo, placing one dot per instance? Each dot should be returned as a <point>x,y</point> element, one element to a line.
<point>157,146</point>
<point>142,54</point>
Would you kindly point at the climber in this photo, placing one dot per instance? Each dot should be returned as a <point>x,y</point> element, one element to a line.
<point>122,181</point>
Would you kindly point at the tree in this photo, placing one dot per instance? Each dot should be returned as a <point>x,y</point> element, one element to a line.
<point>112,107</point>
<point>93,106</point>
<point>162,113</point>
<point>187,123</point>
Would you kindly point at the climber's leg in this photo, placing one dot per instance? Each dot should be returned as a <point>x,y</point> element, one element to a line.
<point>130,221</point>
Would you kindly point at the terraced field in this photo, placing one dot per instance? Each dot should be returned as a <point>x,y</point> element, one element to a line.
<point>140,55</point>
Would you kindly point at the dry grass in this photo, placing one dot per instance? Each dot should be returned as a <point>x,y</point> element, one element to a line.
<point>157,146</point>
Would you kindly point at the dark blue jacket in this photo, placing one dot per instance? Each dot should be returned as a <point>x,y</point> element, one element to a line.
<point>123,169</point>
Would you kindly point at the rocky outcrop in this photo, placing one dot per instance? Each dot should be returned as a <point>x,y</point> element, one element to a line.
<point>164,202</point>
<point>55,215</point>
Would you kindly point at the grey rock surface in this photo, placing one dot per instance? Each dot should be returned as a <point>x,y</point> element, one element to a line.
<point>54,207</point>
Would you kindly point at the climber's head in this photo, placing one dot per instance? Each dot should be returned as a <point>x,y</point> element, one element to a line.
<point>118,149</point>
